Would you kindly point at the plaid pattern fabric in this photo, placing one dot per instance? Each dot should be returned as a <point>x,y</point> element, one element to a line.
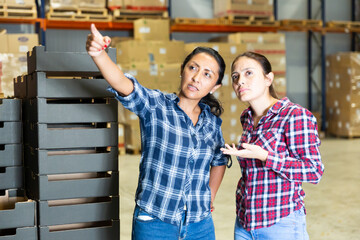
<point>268,191</point>
<point>176,155</point>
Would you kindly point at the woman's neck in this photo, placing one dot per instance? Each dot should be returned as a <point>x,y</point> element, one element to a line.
<point>262,106</point>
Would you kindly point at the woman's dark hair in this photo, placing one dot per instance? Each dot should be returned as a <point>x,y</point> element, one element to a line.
<point>209,99</point>
<point>265,64</point>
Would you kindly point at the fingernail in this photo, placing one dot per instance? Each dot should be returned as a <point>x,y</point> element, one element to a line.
<point>105,46</point>
<point>102,49</point>
<point>212,210</point>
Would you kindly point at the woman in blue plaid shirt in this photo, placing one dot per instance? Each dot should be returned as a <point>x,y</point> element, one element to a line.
<point>181,165</point>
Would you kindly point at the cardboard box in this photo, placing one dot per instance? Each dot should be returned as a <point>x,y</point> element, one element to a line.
<point>131,51</point>
<point>146,3</point>
<point>166,51</point>
<point>20,2</point>
<point>72,4</point>
<point>226,50</point>
<point>3,43</point>
<point>229,7</point>
<point>22,43</point>
<point>343,94</point>
<point>13,65</point>
<point>114,3</point>
<point>92,4</point>
<point>152,29</point>
<point>278,38</point>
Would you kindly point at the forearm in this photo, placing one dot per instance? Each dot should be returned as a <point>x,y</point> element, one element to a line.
<point>216,176</point>
<point>112,74</point>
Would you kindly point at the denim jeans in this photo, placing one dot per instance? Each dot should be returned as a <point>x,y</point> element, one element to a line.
<point>147,227</point>
<point>292,227</point>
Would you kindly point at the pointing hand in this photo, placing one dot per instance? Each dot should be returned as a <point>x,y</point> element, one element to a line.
<point>96,43</point>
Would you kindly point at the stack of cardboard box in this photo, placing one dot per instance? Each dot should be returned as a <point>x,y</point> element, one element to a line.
<point>244,8</point>
<point>233,108</point>
<point>154,61</point>
<point>13,49</point>
<point>343,94</point>
<point>272,46</point>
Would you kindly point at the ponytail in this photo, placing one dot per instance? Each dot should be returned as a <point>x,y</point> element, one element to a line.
<point>214,104</point>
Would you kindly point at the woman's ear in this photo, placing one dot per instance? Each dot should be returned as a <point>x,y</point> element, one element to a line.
<point>269,78</point>
<point>215,88</point>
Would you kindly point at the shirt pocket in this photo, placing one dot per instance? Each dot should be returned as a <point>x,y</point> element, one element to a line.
<point>268,140</point>
<point>209,137</point>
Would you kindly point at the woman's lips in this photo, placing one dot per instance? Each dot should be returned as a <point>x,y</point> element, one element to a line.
<point>193,88</point>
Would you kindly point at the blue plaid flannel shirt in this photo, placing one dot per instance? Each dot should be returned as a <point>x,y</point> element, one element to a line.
<point>176,155</point>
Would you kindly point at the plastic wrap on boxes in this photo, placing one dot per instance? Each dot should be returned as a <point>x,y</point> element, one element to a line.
<point>343,94</point>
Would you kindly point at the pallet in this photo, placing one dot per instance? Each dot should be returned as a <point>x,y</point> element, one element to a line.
<point>202,21</point>
<point>343,24</point>
<point>80,14</point>
<point>133,151</point>
<point>236,19</point>
<point>18,11</point>
<point>301,22</point>
<point>130,15</point>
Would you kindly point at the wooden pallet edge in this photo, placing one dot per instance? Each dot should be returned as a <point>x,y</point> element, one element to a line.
<point>126,12</point>
<point>337,24</point>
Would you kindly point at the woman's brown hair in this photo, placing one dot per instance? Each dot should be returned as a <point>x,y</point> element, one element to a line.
<point>265,64</point>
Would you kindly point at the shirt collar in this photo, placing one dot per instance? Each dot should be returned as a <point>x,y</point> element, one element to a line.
<point>279,105</point>
<point>276,108</point>
<point>173,97</point>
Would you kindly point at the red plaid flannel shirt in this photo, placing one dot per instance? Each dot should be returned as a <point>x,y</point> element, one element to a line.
<point>271,190</point>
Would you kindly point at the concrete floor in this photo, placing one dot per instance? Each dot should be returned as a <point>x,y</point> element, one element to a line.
<point>333,206</point>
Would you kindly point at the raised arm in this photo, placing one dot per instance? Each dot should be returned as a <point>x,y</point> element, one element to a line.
<point>95,46</point>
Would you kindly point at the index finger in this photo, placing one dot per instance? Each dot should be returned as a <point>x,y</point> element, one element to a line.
<point>94,31</point>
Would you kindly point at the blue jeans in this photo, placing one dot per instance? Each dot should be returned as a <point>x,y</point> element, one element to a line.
<point>292,227</point>
<point>147,227</point>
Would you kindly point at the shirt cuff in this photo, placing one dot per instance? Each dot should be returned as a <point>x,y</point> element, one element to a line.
<point>274,162</point>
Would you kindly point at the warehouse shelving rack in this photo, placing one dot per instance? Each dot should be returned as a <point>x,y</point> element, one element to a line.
<point>314,33</point>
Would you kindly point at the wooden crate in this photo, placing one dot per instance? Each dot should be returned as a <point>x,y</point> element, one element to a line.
<point>18,11</point>
<point>80,14</point>
<point>129,15</point>
<point>302,22</point>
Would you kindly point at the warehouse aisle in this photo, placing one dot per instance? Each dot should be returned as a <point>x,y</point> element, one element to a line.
<point>333,206</point>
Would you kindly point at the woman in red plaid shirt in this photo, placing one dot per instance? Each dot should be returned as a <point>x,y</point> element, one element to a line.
<point>278,151</point>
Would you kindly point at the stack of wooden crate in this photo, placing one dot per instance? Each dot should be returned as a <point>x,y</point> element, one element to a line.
<point>80,10</point>
<point>18,9</point>
<point>70,146</point>
<point>244,11</point>
<point>17,213</point>
<point>127,10</point>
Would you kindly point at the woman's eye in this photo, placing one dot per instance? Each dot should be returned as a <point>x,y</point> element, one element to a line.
<point>248,73</point>
<point>191,67</point>
<point>208,75</point>
<point>234,78</point>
